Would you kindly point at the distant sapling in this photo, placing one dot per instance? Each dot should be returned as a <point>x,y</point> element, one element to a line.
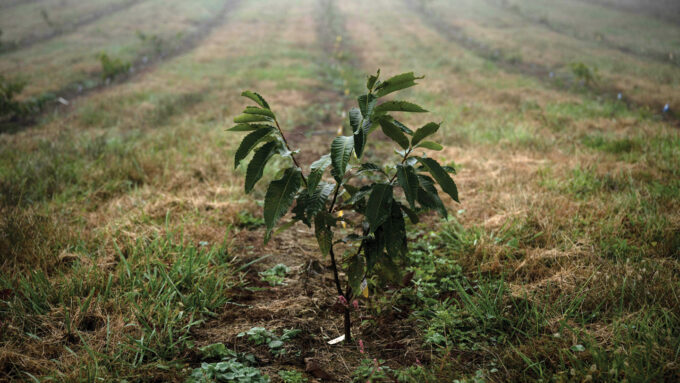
<point>374,197</point>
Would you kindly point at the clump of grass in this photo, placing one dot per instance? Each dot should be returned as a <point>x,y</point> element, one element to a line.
<point>507,322</point>
<point>614,146</point>
<point>10,107</point>
<point>584,73</point>
<point>30,239</point>
<point>113,67</point>
<point>128,317</point>
<point>66,165</point>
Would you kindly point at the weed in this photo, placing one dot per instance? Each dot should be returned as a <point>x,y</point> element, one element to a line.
<point>164,286</point>
<point>63,165</point>
<point>156,42</point>
<point>275,275</point>
<point>371,370</point>
<point>10,108</point>
<point>113,67</point>
<point>248,221</point>
<point>585,74</point>
<point>218,351</point>
<point>615,146</point>
<point>292,376</point>
<point>227,371</point>
<point>260,335</point>
<point>30,239</point>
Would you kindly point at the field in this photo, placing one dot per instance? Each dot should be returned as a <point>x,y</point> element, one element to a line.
<point>127,243</point>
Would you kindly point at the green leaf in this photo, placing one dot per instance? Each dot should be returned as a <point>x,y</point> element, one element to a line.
<point>410,213</point>
<point>430,145</point>
<point>300,208</point>
<point>243,128</point>
<point>366,104</point>
<point>279,197</point>
<point>354,118</point>
<point>275,344</point>
<point>443,178</point>
<point>359,141</point>
<point>246,118</point>
<point>371,80</point>
<point>392,131</point>
<point>317,169</point>
<point>356,272</point>
<point>395,232</point>
<point>388,270</point>
<point>249,142</point>
<point>408,179</point>
<point>426,130</point>
<point>398,106</point>
<point>284,227</point>
<point>341,150</point>
<point>249,127</point>
<point>370,167</point>
<point>398,82</point>
<point>378,205</point>
<point>449,169</point>
<point>359,194</point>
<point>256,97</point>
<point>316,201</point>
<point>350,189</point>
<point>324,236</point>
<point>403,127</point>
<point>373,248</point>
<point>428,196</point>
<point>257,164</point>
<point>259,111</point>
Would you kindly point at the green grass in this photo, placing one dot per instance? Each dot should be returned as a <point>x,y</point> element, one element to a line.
<point>155,304</point>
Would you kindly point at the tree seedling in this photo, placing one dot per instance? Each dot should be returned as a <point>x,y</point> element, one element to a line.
<point>375,198</point>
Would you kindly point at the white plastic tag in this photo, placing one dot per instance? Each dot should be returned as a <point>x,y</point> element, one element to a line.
<point>337,340</point>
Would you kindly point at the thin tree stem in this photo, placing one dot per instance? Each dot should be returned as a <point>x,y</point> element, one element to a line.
<point>289,149</point>
<point>336,277</point>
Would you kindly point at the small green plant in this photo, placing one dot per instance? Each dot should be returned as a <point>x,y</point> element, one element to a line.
<point>584,73</point>
<point>367,192</point>
<point>10,108</point>
<point>248,221</point>
<point>218,351</point>
<point>292,377</point>
<point>112,67</point>
<point>227,371</point>
<point>260,335</point>
<point>156,42</point>
<point>232,366</point>
<point>371,370</point>
<point>275,275</point>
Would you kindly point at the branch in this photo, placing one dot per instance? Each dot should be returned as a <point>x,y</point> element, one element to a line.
<point>290,150</point>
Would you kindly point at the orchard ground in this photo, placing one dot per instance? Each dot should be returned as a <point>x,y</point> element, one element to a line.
<point>128,243</point>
